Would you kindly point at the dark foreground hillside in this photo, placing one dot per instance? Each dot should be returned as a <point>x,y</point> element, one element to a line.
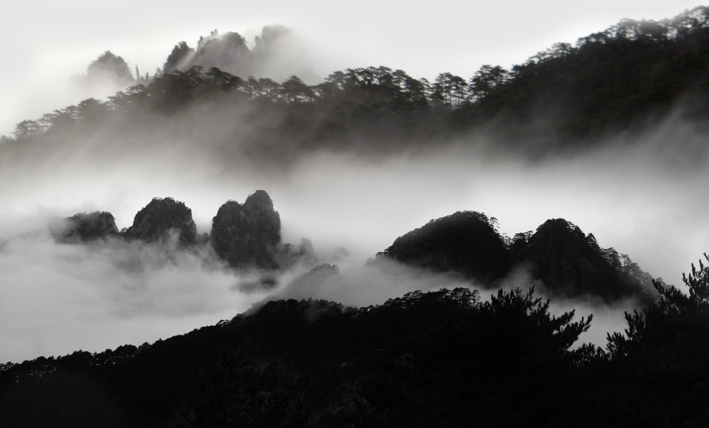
<point>442,358</point>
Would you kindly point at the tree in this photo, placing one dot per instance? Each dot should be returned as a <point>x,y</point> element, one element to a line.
<point>28,129</point>
<point>664,351</point>
<point>486,80</point>
<point>295,90</point>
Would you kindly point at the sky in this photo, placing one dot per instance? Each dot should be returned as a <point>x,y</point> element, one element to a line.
<point>58,298</point>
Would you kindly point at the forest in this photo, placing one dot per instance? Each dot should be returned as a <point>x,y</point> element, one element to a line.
<point>424,359</point>
<point>563,99</point>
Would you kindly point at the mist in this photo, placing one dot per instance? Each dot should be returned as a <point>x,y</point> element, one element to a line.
<point>640,193</point>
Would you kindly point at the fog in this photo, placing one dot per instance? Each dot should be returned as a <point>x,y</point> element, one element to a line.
<point>645,200</point>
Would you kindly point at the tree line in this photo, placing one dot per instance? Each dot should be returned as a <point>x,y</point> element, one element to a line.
<point>444,357</point>
<point>607,80</point>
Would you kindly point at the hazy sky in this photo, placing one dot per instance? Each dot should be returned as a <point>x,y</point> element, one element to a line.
<point>46,42</point>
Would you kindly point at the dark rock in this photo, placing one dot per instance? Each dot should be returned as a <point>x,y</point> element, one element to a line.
<point>247,235</point>
<point>465,242</point>
<point>84,227</point>
<point>160,217</point>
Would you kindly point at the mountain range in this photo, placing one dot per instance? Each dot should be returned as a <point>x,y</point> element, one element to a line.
<point>488,352</point>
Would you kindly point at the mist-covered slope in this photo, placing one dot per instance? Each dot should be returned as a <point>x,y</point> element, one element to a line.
<point>562,99</point>
<point>442,357</point>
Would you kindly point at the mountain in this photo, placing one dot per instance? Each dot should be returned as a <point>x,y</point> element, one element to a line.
<point>159,218</point>
<point>290,363</point>
<point>441,358</point>
<point>108,73</point>
<point>566,99</point>
<point>277,53</point>
<point>466,243</point>
<point>85,227</point>
<point>447,357</point>
<point>247,235</point>
<point>566,261</point>
<point>110,67</point>
<point>570,263</point>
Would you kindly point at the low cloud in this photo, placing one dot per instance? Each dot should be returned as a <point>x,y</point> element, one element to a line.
<point>58,298</point>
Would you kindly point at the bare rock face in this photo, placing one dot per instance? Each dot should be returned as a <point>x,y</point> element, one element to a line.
<point>246,236</point>
<point>85,227</point>
<point>161,216</point>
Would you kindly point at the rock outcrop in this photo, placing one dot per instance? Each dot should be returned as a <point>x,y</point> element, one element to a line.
<point>160,217</point>
<point>246,236</point>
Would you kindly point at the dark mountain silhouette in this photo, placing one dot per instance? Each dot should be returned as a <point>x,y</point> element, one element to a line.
<point>85,227</point>
<point>291,363</point>
<point>569,263</point>
<point>247,235</point>
<point>161,217</point>
<point>466,243</point>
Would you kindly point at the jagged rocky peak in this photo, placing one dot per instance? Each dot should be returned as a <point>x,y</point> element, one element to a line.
<point>84,227</point>
<point>278,53</point>
<point>247,235</point>
<point>161,217</point>
<point>466,243</point>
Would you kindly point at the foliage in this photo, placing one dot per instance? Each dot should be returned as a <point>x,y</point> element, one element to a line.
<point>560,99</point>
<point>159,217</point>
